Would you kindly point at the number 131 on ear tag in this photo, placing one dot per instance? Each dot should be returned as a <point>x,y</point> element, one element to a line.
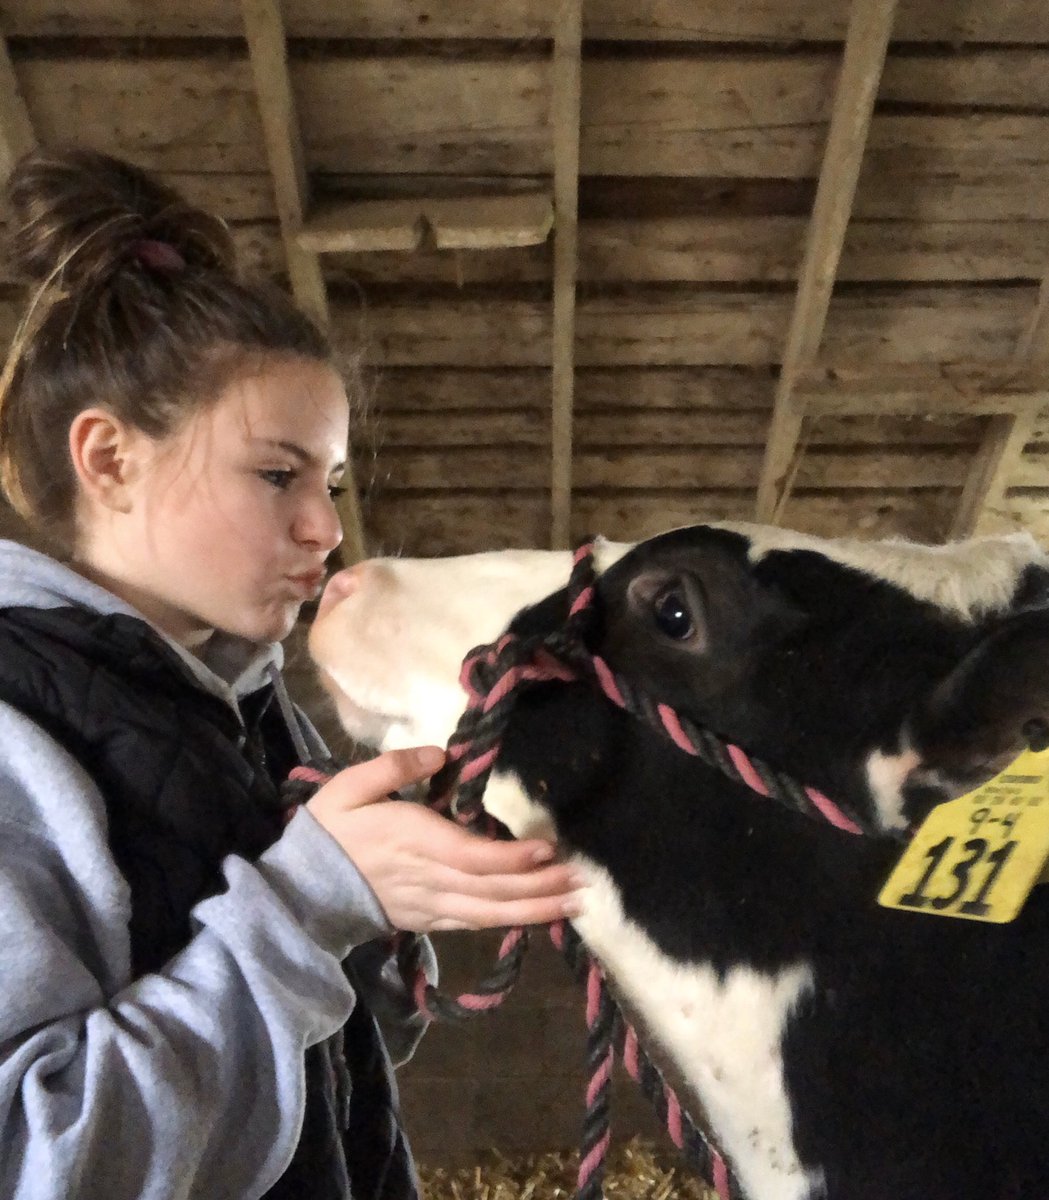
<point>979,856</point>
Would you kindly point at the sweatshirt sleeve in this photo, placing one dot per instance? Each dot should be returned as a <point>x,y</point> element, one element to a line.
<point>187,1082</point>
<point>373,966</point>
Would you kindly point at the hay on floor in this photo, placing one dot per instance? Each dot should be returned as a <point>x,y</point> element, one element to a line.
<point>636,1171</point>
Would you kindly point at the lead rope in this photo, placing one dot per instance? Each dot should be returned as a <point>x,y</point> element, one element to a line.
<point>493,677</point>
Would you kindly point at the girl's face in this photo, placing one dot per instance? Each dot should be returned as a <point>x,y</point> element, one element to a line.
<point>228,522</point>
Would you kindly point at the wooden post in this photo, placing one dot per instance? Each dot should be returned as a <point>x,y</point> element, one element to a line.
<point>565,119</point>
<point>267,45</point>
<point>870,24</point>
<point>1006,434</point>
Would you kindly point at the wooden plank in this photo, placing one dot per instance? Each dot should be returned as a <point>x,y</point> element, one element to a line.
<point>688,329</point>
<point>490,222</point>
<point>449,523</point>
<point>16,129</point>
<point>1015,197</point>
<point>868,38</point>
<point>648,427</point>
<point>688,250</point>
<point>947,21</point>
<point>565,116</point>
<point>697,389</point>
<point>518,468</point>
<point>743,115</point>
<point>769,248</point>
<point>268,53</point>
<point>453,223</point>
<point>956,392</point>
<point>998,461</point>
<point>963,388</point>
<point>362,225</point>
<point>692,329</point>
<point>233,195</point>
<point>1031,471</point>
<point>695,249</point>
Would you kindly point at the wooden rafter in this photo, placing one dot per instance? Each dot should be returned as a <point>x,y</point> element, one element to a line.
<point>565,117</point>
<point>16,129</point>
<point>870,24</point>
<point>267,46</point>
<point>1007,433</point>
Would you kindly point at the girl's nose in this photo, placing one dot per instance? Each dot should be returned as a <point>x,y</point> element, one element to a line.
<point>342,584</point>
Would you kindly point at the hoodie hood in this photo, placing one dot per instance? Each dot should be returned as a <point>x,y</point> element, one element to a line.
<point>228,667</point>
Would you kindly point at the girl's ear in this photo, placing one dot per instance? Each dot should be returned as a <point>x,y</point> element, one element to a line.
<point>107,457</point>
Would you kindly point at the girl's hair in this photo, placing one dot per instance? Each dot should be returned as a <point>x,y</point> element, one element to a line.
<point>136,305</point>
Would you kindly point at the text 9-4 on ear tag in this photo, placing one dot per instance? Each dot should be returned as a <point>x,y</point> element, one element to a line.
<point>979,856</point>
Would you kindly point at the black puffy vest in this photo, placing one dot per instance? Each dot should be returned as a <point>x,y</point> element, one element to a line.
<point>185,785</point>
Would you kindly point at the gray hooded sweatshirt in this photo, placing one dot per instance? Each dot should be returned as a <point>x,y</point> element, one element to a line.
<point>184,1083</point>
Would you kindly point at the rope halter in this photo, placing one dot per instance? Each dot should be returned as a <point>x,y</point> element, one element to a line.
<point>493,676</point>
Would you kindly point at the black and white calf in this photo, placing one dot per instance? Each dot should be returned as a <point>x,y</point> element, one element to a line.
<point>838,1049</point>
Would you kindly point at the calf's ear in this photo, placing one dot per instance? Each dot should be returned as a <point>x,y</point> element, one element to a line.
<point>993,705</point>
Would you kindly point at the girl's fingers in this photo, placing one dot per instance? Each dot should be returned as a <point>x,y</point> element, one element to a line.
<point>558,881</point>
<point>478,855</point>
<point>374,780</point>
<point>470,912</point>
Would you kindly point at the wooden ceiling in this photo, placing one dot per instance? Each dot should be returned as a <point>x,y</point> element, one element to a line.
<point>622,268</point>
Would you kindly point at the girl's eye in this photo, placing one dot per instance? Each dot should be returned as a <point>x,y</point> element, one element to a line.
<point>671,615</point>
<point>335,491</point>
<point>277,478</point>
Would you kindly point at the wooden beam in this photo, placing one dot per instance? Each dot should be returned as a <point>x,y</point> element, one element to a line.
<point>870,24</point>
<point>490,222</point>
<point>453,223</point>
<point>264,29</point>
<point>1001,450</point>
<point>668,21</point>
<point>16,130</point>
<point>362,225</point>
<point>267,46</point>
<point>565,116</point>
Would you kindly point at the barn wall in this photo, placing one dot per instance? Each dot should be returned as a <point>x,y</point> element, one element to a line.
<point>702,130</point>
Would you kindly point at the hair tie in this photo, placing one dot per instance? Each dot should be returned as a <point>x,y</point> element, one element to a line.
<point>157,256</point>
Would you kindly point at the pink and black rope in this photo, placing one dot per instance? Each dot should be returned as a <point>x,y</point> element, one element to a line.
<point>611,1034</point>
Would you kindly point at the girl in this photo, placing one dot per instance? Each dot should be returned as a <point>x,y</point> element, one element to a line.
<point>187,979</point>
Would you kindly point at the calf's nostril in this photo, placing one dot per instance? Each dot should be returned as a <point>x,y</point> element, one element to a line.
<point>339,586</point>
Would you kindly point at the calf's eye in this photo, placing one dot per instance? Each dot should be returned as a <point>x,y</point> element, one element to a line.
<point>671,615</point>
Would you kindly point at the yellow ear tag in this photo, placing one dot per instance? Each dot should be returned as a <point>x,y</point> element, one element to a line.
<point>979,856</point>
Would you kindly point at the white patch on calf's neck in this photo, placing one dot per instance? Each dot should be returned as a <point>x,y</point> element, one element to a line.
<point>723,1034</point>
<point>507,801</point>
<point>886,775</point>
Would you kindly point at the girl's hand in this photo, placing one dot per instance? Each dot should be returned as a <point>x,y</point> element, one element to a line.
<point>428,872</point>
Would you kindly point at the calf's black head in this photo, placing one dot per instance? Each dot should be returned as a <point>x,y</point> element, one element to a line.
<point>884,699</point>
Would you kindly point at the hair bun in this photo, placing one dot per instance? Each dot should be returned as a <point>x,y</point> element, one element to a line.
<point>81,216</point>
